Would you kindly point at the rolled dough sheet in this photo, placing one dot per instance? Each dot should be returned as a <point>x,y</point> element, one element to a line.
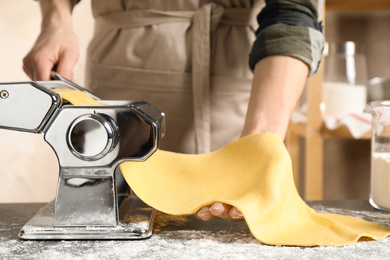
<point>253,174</point>
<point>77,98</point>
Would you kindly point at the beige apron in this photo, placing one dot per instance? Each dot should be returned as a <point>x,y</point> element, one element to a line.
<point>189,58</point>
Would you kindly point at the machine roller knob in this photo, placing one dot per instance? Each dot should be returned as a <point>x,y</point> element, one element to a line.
<point>91,137</point>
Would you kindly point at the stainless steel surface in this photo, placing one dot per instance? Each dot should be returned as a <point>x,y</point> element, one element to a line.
<point>139,135</point>
<point>135,222</point>
<point>91,137</point>
<point>26,106</point>
<point>85,202</point>
<point>89,142</point>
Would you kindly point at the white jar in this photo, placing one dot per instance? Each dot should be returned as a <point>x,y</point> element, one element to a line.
<point>380,154</point>
<point>344,87</point>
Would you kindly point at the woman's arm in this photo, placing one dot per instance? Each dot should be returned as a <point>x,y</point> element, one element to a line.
<point>277,85</point>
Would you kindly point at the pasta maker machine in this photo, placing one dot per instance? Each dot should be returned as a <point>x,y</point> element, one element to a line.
<point>93,201</point>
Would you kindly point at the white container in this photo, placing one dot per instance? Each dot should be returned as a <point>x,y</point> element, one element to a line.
<point>341,99</point>
<point>380,181</point>
<point>380,154</point>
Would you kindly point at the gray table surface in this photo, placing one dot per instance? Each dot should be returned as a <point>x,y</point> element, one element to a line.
<point>184,237</point>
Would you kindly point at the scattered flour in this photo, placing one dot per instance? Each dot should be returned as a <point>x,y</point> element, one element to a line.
<point>192,247</point>
<point>176,237</point>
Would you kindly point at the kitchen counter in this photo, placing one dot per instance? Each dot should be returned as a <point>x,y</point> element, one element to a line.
<point>184,237</point>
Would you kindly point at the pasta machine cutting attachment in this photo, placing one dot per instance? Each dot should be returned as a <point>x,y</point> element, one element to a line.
<point>93,201</point>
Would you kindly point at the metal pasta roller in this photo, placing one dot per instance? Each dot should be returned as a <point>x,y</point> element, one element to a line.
<point>93,201</point>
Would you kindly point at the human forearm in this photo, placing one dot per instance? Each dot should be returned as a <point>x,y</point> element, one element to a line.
<point>56,12</point>
<point>277,85</point>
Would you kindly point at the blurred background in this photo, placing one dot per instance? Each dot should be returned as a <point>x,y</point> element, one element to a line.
<point>28,166</point>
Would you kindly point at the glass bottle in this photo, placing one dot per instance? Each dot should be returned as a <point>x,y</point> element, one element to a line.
<point>345,80</point>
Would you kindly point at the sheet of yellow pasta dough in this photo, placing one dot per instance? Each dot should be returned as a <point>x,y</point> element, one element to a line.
<point>77,97</point>
<point>254,174</point>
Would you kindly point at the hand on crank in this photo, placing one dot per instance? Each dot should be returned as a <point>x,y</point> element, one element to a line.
<point>57,45</point>
<point>219,210</point>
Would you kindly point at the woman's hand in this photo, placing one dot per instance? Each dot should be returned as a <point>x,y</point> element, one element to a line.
<point>219,210</point>
<point>57,44</point>
<point>53,47</point>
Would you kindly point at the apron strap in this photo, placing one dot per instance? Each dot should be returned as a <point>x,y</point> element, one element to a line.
<point>148,17</point>
<point>205,21</point>
<point>139,18</point>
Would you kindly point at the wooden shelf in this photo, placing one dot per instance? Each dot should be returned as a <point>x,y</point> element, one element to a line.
<point>357,5</point>
<point>340,133</point>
